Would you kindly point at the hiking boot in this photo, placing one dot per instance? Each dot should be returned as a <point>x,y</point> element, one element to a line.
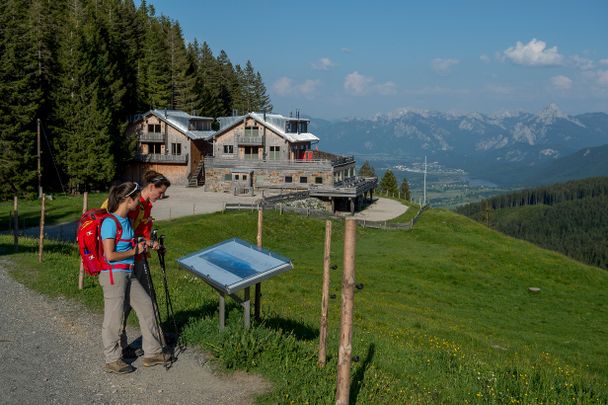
<point>130,352</point>
<point>161,358</point>
<point>118,367</point>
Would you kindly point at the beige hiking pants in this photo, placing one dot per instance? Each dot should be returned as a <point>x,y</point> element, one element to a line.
<point>126,289</point>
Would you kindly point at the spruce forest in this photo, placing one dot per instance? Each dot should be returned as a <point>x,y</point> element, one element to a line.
<point>84,68</point>
<point>570,218</point>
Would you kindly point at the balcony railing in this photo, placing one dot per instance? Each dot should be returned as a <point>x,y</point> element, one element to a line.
<point>151,137</point>
<point>322,164</point>
<point>248,140</point>
<point>161,158</point>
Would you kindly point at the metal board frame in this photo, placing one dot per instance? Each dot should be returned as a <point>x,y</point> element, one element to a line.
<point>218,259</point>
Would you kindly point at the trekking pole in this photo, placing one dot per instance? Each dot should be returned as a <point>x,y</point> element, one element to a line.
<point>170,313</point>
<point>152,292</point>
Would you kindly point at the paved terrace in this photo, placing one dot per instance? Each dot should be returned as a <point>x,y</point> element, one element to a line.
<point>182,201</point>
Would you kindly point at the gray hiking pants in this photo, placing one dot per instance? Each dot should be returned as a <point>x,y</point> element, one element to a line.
<point>126,290</point>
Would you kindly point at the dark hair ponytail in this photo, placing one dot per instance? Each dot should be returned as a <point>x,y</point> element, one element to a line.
<point>154,177</point>
<point>120,192</point>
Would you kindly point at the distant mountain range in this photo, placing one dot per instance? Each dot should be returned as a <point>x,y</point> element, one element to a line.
<point>510,148</point>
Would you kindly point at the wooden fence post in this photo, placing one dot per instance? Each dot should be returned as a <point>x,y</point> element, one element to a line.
<point>85,207</point>
<point>325,297</point>
<point>16,223</point>
<point>258,286</point>
<point>346,321</point>
<point>41,239</point>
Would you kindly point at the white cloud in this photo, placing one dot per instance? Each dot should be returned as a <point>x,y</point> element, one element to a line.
<point>484,58</point>
<point>346,50</point>
<point>386,89</point>
<point>602,77</point>
<point>323,64</point>
<point>308,87</point>
<point>534,53</point>
<point>582,63</point>
<point>603,62</point>
<point>356,83</point>
<point>561,82</point>
<point>443,66</point>
<point>283,86</point>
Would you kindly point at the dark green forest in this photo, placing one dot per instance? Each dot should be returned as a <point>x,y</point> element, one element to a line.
<point>84,68</point>
<point>571,218</point>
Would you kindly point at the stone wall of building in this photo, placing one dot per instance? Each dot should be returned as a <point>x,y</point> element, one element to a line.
<point>222,179</point>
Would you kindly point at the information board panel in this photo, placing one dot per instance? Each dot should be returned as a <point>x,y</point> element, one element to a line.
<point>234,264</point>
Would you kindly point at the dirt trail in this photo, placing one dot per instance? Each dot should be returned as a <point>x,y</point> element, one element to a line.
<point>50,353</point>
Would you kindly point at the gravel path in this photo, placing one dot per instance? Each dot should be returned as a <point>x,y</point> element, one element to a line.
<point>50,353</point>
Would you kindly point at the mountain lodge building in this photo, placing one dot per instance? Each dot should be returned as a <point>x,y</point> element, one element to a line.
<point>248,153</point>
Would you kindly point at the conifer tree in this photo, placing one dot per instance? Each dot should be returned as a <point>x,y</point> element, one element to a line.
<point>182,72</point>
<point>261,97</point>
<point>20,99</point>
<point>207,73</point>
<point>226,83</point>
<point>405,190</point>
<point>156,88</point>
<point>88,95</point>
<point>367,170</point>
<point>388,184</point>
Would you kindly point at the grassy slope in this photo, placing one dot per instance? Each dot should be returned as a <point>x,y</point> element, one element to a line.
<point>60,209</point>
<point>444,316</point>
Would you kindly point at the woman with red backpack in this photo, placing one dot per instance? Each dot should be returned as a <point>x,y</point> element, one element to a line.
<point>119,285</point>
<point>155,186</point>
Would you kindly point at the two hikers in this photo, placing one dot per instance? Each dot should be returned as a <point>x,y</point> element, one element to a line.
<point>124,284</point>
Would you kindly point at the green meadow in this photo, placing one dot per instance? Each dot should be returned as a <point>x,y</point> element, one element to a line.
<point>444,315</point>
<point>58,209</point>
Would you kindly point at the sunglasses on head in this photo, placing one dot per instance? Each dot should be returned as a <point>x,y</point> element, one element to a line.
<point>158,179</point>
<point>136,188</point>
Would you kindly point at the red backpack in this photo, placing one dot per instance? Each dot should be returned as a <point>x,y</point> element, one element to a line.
<point>90,245</point>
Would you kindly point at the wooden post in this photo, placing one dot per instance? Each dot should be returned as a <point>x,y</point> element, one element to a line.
<point>41,239</point>
<point>258,286</point>
<point>16,223</point>
<point>85,207</point>
<point>39,155</point>
<point>325,297</point>
<point>346,322</point>
<point>247,309</point>
<point>222,311</point>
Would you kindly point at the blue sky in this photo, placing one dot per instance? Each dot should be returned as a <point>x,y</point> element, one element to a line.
<point>333,59</point>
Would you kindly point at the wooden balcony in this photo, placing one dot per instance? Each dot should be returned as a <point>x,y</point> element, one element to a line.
<point>151,137</point>
<point>249,140</point>
<point>161,158</point>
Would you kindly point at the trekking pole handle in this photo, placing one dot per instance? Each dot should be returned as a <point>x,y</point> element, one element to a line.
<point>161,243</point>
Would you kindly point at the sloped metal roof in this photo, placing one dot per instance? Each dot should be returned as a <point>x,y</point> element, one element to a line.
<point>181,120</point>
<point>276,122</point>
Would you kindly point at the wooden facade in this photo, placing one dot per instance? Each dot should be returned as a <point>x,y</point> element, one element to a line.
<point>171,142</point>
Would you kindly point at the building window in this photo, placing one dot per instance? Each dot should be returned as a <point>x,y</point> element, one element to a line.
<point>303,179</point>
<point>319,180</point>
<point>244,177</point>
<point>288,179</point>
<point>228,149</point>
<point>176,148</point>
<point>275,153</point>
<point>154,128</point>
<point>251,131</point>
<point>236,176</point>
<point>199,125</point>
<point>154,148</point>
<point>251,153</point>
<point>227,177</point>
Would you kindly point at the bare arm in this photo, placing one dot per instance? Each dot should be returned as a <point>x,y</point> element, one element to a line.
<point>112,256</point>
